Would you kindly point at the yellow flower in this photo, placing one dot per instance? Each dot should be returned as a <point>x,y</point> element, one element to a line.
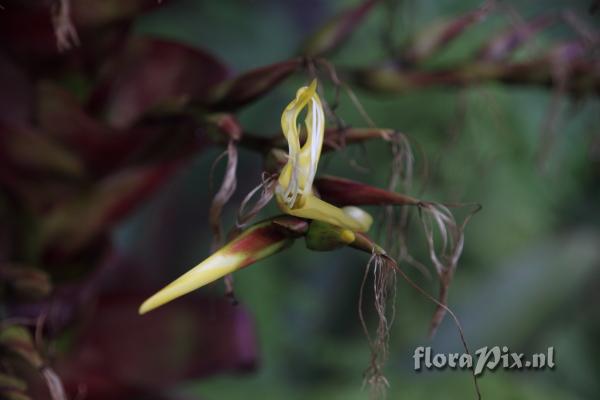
<point>294,191</point>
<point>294,194</point>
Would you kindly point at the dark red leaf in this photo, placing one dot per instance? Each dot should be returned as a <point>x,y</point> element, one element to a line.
<point>191,338</point>
<point>153,73</point>
<point>27,152</point>
<point>72,226</point>
<point>104,149</point>
<point>39,40</point>
<point>16,95</point>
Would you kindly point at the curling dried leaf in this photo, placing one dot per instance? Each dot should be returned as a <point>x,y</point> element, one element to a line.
<point>64,29</point>
<point>223,195</point>
<point>267,191</point>
<point>437,221</point>
<point>444,257</point>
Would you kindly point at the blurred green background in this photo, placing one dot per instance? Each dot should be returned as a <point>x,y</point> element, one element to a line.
<point>528,278</point>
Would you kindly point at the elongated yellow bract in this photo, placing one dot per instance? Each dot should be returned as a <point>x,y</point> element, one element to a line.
<point>214,267</point>
<point>257,242</point>
<point>294,192</point>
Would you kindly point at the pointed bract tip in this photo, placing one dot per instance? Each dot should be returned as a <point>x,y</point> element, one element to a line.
<point>143,309</point>
<point>148,305</point>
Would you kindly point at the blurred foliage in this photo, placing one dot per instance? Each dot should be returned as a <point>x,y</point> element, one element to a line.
<point>528,277</point>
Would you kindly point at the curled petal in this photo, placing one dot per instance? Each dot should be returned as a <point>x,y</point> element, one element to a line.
<point>294,191</point>
<point>298,174</point>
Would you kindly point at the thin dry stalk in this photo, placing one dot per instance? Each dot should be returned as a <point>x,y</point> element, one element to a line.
<point>447,310</point>
<point>340,123</point>
<point>437,220</point>
<point>267,190</point>
<point>333,75</point>
<point>384,286</point>
<point>330,108</point>
<point>551,122</point>
<point>395,220</point>
<point>223,195</point>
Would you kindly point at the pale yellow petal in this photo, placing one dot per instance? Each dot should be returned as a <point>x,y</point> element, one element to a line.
<point>301,168</point>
